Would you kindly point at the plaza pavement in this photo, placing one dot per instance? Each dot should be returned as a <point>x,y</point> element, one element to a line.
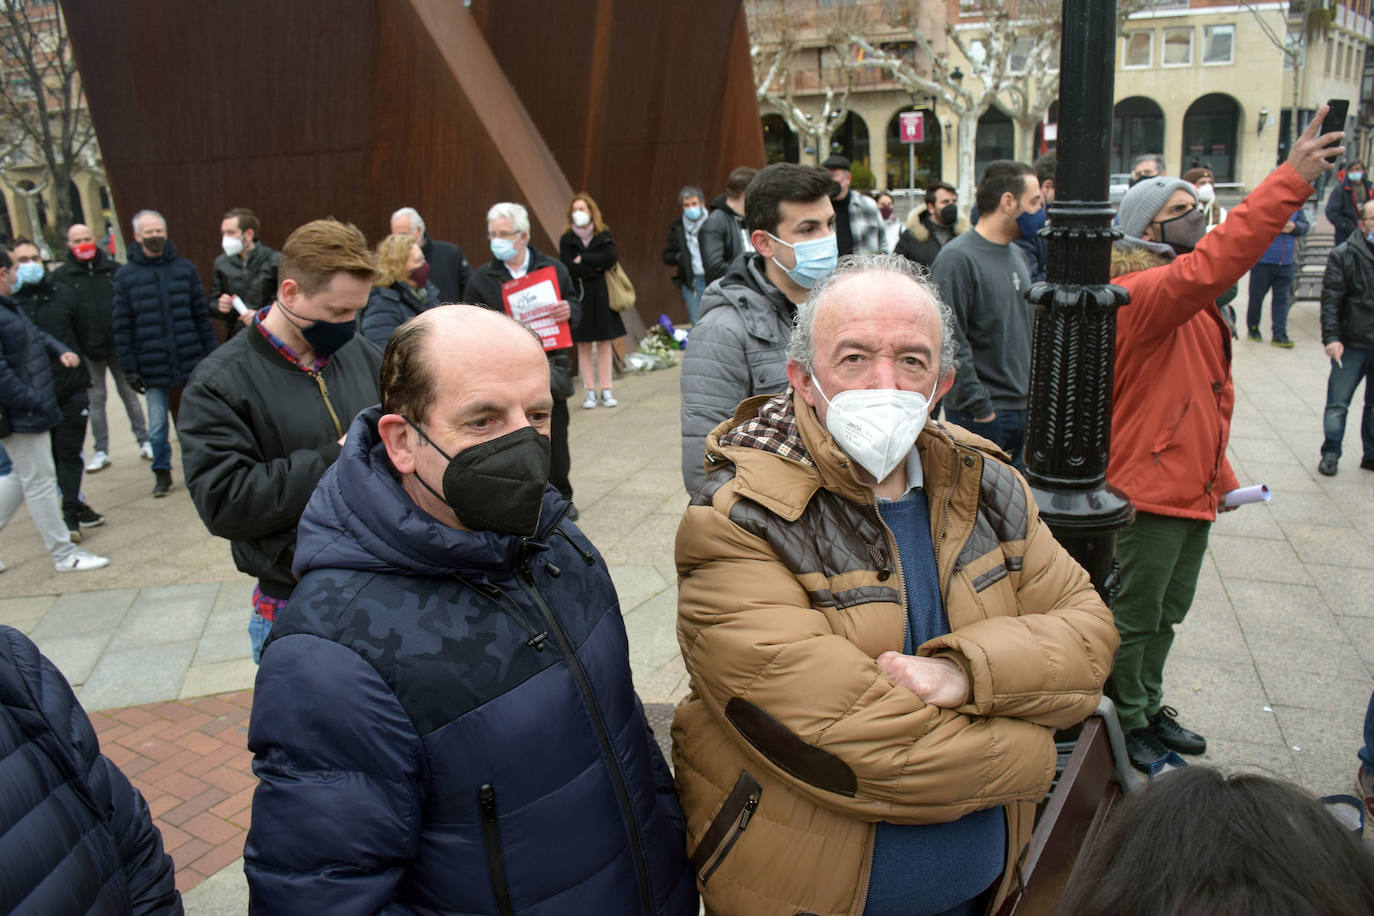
<point>1273,664</point>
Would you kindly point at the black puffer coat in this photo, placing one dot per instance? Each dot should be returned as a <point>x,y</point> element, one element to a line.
<point>92,283</point>
<point>75,836</point>
<point>161,325</point>
<point>27,394</point>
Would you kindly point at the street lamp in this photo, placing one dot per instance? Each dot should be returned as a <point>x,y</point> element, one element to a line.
<point>1074,349</point>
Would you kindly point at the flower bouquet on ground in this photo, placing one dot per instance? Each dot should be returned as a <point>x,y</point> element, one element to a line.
<point>660,348</point>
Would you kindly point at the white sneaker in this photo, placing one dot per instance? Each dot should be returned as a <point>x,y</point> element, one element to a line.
<point>98,460</point>
<point>81,561</point>
<point>2,567</point>
<point>146,451</point>
<point>590,401</point>
<point>607,400</point>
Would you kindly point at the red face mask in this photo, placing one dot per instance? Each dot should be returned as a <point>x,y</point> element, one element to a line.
<point>84,251</point>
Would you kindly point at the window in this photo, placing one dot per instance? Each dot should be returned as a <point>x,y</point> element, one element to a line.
<point>1295,47</point>
<point>1178,47</point>
<point>1020,54</point>
<point>1218,44</point>
<point>1340,58</point>
<point>1140,49</point>
<point>1328,58</point>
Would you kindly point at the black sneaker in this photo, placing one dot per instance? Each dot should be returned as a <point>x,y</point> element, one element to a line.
<point>1281,340</point>
<point>1327,466</point>
<point>88,517</point>
<point>73,528</point>
<point>1174,736</point>
<point>1255,334</point>
<point>163,484</point>
<point>1144,748</point>
<point>1368,463</point>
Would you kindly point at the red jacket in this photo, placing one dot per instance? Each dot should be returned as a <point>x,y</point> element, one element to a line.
<point>1173,395</point>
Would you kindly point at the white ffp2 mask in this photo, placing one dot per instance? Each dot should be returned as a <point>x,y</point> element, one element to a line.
<point>877,427</point>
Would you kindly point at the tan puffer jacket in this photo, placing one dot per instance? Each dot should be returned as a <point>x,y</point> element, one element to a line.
<point>792,742</point>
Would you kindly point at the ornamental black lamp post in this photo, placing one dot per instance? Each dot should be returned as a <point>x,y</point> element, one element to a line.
<point>1074,352</point>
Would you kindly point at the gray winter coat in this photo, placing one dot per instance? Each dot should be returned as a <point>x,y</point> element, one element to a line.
<point>738,349</point>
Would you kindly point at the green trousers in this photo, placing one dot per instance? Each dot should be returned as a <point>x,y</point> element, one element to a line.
<point>1160,558</point>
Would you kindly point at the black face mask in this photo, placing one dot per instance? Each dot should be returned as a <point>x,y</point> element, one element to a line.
<point>325,337</point>
<point>949,214</point>
<point>497,485</point>
<point>1182,233</point>
<point>153,245</point>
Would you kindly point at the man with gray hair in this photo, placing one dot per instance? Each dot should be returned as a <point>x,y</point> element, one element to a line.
<point>880,632</point>
<point>161,330</point>
<point>1146,165</point>
<point>449,269</point>
<point>683,249</point>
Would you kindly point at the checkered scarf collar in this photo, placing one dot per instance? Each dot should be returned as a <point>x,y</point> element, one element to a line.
<point>773,429</point>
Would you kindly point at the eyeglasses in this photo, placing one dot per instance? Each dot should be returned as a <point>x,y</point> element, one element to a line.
<point>503,235</point>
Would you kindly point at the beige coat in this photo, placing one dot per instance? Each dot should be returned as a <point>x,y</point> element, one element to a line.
<point>792,742</point>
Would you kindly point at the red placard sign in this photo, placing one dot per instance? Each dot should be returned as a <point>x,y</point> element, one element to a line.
<point>912,126</point>
<point>529,301</point>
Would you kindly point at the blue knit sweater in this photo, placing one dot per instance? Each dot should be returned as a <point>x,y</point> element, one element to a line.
<point>930,869</point>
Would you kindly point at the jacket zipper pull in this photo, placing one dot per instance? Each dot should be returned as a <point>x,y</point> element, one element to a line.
<point>750,804</point>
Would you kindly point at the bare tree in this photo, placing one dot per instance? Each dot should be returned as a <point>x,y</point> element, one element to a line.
<point>774,27</point>
<point>932,73</point>
<point>1305,22</point>
<point>42,102</point>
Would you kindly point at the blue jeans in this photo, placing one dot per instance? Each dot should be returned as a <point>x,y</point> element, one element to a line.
<point>1356,365</point>
<point>691,297</point>
<point>1263,278</point>
<point>159,403</point>
<point>258,628</point>
<point>1007,429</point>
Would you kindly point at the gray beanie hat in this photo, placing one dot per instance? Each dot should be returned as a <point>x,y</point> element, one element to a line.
<point>1144,200</point>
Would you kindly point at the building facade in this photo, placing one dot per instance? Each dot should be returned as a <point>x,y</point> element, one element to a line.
<point>1202,82</point>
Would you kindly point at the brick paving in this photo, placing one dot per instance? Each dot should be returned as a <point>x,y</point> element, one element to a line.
<point>190,760</point>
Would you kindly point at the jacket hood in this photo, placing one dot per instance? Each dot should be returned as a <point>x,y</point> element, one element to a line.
<point>745,287</point>
<point>1131,254</point>
<point>360,518</point>
<point>919,224</point>
<point>139,256</point>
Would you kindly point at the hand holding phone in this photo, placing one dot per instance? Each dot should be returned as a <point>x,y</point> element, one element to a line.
<point>1311,155</point>
<point>1336,111</point>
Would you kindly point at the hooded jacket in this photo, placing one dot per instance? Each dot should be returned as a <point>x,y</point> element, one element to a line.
<point>1348,295</point>
<point>721,241</point>
<point>738,349</point>
<point>1173,393</point>
<point>1343,206</point>
<point>453,729</point>
<point>27,394</point>
<point>918,242</point>
<point>792,738</point>
<point>389,307</point>
<point>92,283</point>
<point>76,836</point>
<point>161,322</point>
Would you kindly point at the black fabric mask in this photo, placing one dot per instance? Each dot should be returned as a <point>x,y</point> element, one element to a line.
<point>497,485</point>
<point>949,214</point>
<point>1182,233</point>
<point>325,337</point>
<point>153,245</point>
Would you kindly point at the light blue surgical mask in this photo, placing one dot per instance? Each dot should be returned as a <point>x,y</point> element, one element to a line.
<point>502,249</point>
<point>692,213</point>
<point>1356,176</point>
<point>815,259</point>
<point>30,273</point>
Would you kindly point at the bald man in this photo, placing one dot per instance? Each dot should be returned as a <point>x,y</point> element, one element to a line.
<point>451,725</point>
<point>88,271</point>
<point>876,700</point>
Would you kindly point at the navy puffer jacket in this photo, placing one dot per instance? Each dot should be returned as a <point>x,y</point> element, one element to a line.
<point>27,393</point>
<point>75,837</point>
<point>389,307</point>
<point>451,726</point>
<point>161,326</point>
